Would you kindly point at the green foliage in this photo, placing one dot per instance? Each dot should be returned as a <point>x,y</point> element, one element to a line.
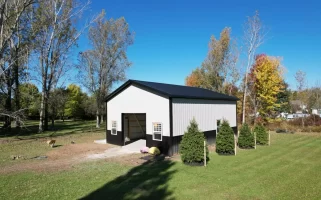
<point>283,99</point>
<point>225,139</point>
<point>192,144</point>
<point>262,136</point>
<point>73,105</point>
<point>29,98</point>
<point>246,138</point>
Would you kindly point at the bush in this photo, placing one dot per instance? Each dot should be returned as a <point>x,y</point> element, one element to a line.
<point>262,136</point>
<point>312,120</point>
<point>246,138</point>
<point>225,139</point>
<point>192,145</point>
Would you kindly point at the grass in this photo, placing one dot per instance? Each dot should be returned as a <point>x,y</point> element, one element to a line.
<point>30,129</point>
<point>28,142</point>
<point>288,169</point>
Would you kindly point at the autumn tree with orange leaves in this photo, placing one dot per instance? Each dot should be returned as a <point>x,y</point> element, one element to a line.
<point>218,71</point>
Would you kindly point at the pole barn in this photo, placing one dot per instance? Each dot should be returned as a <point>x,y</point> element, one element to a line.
<point>159,113</point>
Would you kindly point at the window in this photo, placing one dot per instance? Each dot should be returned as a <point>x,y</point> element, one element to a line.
<point>157,131</point>
<point>114,127</point>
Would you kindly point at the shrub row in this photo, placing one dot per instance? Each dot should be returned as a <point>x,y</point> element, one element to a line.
<point>192,144</point>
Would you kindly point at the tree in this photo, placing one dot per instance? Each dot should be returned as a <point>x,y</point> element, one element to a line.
<point>283,99</point>
<point>262,136</point>
<point>301,85</point>
<point>195,78</point>
<point>55,35</point>
<point>13,24</point>
<point>219,68</point>
<point>57,104</point>
<point>29,98</point>
<point>225,139</point>
<point>254,34</point>
<point>265,83</point>
<point>192,144</point>
<point>74,99</point>
<point>246,138</point>
<point>107,62</point>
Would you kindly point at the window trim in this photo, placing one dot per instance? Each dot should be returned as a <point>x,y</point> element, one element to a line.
<point>161,132</point>
<point>113,128</point>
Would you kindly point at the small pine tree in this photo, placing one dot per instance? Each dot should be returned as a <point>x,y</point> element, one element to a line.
<point>261,135</point>
<point>192,145</point>
<point>225,139</point>
<point>246,138</point>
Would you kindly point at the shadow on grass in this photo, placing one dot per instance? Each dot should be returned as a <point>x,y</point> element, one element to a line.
<point>147,181</point>
<point>30,131</point>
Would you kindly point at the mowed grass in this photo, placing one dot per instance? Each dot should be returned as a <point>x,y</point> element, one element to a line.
<point>288,169</point>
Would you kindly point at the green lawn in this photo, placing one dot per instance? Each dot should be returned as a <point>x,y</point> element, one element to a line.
<point>289,169</point>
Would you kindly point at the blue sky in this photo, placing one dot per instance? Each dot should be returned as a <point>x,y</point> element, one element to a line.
<point>171,37</point>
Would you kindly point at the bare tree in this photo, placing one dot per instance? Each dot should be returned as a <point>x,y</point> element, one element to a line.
<point>107,62</point>
<point>300,78</point>
<point>254,34</point>
<point>55,36</point>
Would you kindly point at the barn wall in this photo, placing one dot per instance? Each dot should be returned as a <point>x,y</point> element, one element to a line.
<point>137,100</point>
<point>205,112</point>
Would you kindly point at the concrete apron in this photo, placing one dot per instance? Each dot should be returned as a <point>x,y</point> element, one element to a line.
<point>119,151</point>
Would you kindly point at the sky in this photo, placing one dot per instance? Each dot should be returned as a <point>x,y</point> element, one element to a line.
<point>171,37</point>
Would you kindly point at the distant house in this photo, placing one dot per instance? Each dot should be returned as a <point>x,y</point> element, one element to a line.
<point>160,113</point>
<point>316,111</point>
<point>298,106</point>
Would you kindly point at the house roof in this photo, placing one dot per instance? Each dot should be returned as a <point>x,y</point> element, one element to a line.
<point>174,91</point>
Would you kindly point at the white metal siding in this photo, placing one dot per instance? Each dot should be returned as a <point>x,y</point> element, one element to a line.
<point>136,100</point>
<point>205,112</point>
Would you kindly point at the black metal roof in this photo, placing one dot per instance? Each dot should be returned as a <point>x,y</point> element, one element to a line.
<point>174,91</point>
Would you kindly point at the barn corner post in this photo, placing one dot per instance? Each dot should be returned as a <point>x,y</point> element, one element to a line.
<point>170,141</point>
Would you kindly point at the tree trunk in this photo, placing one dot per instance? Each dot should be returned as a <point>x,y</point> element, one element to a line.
<point>243,106</point>
<point>17,91</point>
<point>42,111</point>
<point>245,88</point>
<point>8,107</point>
<point>102,118</point>
<point>97,119</point>
<point>43,106</point>
<point>46,120</point>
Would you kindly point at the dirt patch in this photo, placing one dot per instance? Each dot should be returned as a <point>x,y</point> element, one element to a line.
<point>59,158</point>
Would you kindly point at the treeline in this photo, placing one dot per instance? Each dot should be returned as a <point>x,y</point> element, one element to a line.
<point>38,41</point>
<point>234,67</point>
<point>64,103</point>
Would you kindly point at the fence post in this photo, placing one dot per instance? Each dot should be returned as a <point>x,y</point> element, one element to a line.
<point>269,138</point>
<point>204,153</point>
<point>234,145</point>
<point>254,140</point>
